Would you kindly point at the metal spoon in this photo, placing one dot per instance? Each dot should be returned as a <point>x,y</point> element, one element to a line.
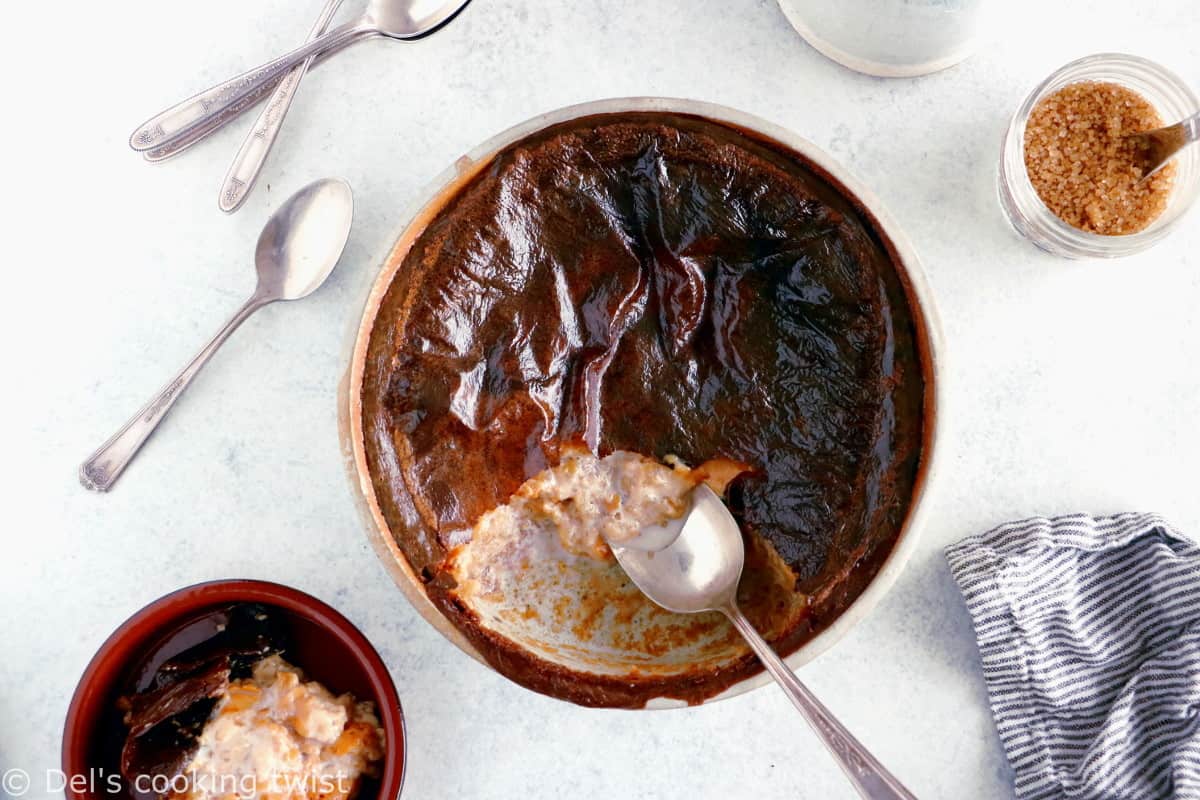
<point>252,155</point>
<point>296,251</point>
<point>215,123</point>
<point>397,19</point>
<point>1161,144</point>
<point>700,571</point>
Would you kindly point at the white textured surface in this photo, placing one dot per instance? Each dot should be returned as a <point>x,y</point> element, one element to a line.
<point>1074,385</point>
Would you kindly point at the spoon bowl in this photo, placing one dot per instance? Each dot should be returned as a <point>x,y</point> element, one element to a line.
<point>699,571</point>
<point>412,19</point>
<point>303,240</point>
<point>396,19</point>
<point>298,248</point>
<point>1159,146</point>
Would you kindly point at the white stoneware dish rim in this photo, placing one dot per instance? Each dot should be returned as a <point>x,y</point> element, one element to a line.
<point>446,184</point>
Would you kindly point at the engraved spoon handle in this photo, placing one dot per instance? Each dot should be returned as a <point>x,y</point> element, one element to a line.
<point>869,777</point>
<point>252,155</point>
<point>197,134</point>
<point>179,120</point>
<point>102,469</point>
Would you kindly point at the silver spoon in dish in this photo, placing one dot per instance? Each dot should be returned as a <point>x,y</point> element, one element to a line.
<point>1160,145</point>
<point>699,570</point>
<point>395,19</point>
<point>296,252</point>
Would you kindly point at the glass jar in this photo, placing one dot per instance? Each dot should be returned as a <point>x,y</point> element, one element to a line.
<point>1173,100</point>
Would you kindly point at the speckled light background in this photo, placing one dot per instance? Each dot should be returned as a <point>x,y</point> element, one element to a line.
<point>1072,386</point>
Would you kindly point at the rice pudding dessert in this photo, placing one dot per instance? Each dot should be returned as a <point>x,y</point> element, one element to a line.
<point>218,713</point>
<point>602,314</point>
<point>284,737</point>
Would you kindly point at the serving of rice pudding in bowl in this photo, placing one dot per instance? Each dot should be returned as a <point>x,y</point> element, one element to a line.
<point>275,735</point>
<point>236,689</point>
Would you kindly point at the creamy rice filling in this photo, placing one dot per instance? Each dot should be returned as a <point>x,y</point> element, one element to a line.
<point>574,509</point>
<point>274,735</point>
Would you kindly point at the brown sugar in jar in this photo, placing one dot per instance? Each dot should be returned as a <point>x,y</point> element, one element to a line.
<point>1082,165</point>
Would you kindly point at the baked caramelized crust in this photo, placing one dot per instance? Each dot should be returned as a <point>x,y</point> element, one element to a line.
<point>664,285</point>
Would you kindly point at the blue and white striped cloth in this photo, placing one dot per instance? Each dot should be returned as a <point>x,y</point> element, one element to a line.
<point>1089,633</point>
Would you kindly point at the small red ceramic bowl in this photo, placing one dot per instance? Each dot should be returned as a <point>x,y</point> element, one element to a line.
<point>324,644</point>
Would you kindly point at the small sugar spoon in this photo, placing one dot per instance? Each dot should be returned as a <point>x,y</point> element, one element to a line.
<point>395,19</point>
<point>1160,145</point>
<point>699,571</point>
<point>296,252</point>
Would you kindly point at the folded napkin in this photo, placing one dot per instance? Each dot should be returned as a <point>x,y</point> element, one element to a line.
<point>1089,633</point>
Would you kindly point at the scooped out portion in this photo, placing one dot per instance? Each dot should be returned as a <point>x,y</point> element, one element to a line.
<point>287,737</point>
<point>589,502</point>
<point>575,509</point>
<point>539,568</point>
<point>228,717</point>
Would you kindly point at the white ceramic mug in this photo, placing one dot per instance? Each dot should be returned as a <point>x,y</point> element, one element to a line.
<point>889,38</point>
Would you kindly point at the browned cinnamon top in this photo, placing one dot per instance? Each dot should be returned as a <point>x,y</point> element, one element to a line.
<point>661,284</point>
